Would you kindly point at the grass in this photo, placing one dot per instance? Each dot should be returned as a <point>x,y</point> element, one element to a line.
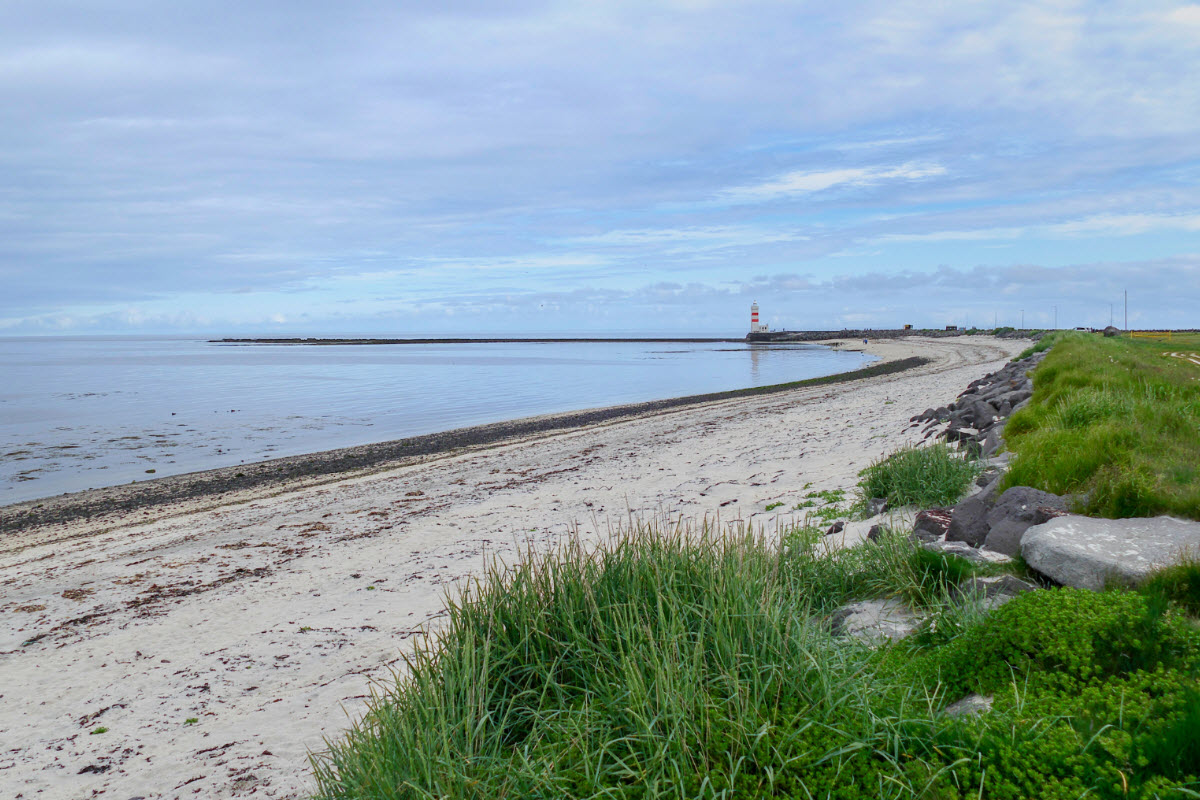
<point>918,476</point>
<point>1178,584</point>
<point>1114,422</point>
<point>694,663</point>
<point>673,663</point>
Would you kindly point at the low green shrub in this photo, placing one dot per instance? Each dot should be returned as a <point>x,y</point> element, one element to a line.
<point>918,476</point>
<point>673,664</point>
<point>1065,637</point>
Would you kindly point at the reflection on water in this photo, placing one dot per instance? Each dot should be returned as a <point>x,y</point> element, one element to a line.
<point>87,412</point>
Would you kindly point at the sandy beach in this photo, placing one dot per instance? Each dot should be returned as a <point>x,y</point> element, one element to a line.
<point>205,646</point>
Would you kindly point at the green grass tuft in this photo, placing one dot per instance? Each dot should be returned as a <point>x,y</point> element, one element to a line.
<point>1178,584</point>
<point>918,476</point>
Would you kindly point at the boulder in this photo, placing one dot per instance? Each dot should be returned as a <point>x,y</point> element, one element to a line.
<point>970,706</point>
<point>877,532</point>
<point>874,620</point>
<point>1111,331</point>
<point>876,506</point>
<point>995,586</point>
<point>931,524</point>
<point>836,527</point>
<point>1090,553</point>
<point>989,474</point>
<point>965,550</point>
<point>993,441</point>
<point>1014,512</point>
<point>968,519</point>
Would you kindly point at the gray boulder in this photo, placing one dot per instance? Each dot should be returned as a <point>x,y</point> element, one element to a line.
<point>994,440</point>
<point>970,706</point>
<point>1089,553</point>
<point>874,620</point>
<point>1111,331</point>
<point>876,506</point>
<point>965,550</point>
<point>1014,512</point>
<point>995,586</point>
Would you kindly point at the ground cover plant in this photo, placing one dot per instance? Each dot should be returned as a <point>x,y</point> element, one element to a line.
<point>688,663</point>
<point>1115,422</point>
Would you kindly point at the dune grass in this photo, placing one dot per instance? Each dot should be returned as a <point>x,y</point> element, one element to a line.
<point>918,476</point>
<point>683,663</point>
<point>1114,421</point>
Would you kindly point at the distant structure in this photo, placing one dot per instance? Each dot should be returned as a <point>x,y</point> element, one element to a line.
<point>755,327</point>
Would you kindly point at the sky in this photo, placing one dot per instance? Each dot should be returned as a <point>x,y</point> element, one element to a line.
<point>476,167</point>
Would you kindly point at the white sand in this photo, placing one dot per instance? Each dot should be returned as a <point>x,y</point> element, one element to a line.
<point>258,619</point>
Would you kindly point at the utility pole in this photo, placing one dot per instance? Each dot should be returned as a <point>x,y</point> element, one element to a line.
<point>1110,316</point>
<point>1126,309</point>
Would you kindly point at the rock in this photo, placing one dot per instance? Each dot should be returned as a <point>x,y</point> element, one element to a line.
<point>1016,510</point>
<point>970,706</point>
<point>836,527</point>
<point>877,532</point>
<point>993,441</point>
<point>958,434</point>
<point>1089,553</point>
<point>874,620</point>
<point>876,506</point>
<point>931,524</point>
<point>1111,331</point>
<point>968,519</point>
<point>995,586</point>
<point>965,550</point>
<point>989,474</point>
<point>980,413</point>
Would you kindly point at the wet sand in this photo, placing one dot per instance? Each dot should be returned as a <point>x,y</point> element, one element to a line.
<point>265,612</point>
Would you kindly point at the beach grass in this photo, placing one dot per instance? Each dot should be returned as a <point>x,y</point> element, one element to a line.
<point>918,476</point>
<point>1114,422</point>
<point>679,662</point>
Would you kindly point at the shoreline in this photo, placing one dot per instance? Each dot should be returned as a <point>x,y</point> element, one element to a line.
<point>320,466</point>
<point>218,641</point>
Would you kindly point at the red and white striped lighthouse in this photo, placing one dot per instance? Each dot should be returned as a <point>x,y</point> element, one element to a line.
<point>754,326</point>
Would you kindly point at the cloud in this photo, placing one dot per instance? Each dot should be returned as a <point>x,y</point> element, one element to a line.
<point>1108,225</point>
<point>364,158</point>
<point>799,183</point>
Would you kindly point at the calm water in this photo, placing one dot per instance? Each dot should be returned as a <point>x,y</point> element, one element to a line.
<point>77,413</point>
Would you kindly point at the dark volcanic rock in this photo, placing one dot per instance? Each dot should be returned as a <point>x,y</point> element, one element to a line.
<point>931,524</point>
<point>1014,512</point>
<point>968,521</point>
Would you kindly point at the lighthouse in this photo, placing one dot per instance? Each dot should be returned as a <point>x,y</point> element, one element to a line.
<point>755,327</point>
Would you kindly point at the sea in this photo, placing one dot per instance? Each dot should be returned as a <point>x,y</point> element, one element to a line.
<point>86,412</point>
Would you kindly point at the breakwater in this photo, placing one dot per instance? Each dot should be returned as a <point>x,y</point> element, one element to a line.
<point>784,337</point>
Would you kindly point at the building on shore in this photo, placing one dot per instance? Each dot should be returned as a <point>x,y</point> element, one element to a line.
<point>755,327</point>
